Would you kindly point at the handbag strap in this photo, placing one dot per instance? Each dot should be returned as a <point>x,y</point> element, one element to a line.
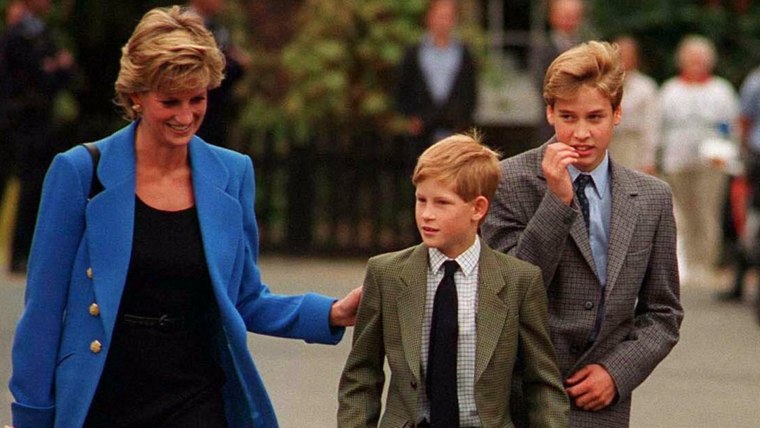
<point>95,185</point>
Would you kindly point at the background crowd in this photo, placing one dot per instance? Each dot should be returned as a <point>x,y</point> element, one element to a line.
<point>330,96</point>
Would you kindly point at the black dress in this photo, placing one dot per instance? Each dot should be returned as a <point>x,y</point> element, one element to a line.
<point>163,373</point>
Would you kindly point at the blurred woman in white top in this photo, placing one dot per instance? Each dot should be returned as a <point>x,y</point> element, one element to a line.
<point>696,106</point>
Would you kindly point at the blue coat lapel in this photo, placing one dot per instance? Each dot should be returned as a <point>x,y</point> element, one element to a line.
<point>110,222</point>
<point>219,214</point>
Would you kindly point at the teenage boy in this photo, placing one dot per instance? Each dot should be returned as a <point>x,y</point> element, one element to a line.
<point>451,315</point>
<point>603,235</point>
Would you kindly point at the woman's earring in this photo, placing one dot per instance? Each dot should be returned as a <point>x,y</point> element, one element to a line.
<point>137,107</point>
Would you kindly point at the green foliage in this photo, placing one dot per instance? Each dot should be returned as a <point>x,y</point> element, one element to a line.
<point>337,71</point>
<point>660,25</point>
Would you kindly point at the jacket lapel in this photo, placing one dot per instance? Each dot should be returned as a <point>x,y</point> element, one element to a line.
<point>579,233</point>
<point>110,218</point>
<point>221,233</point>
<point>110,223</point>
<point>492,311</point>
<point>410,306</point>
<point>623,221</point>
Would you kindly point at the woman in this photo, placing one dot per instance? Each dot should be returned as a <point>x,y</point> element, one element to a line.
<point>696,106</point>
<point>138,300</point>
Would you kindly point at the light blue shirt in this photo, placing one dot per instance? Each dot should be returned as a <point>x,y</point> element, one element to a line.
<point>440,66</point>
<point>600,208</point>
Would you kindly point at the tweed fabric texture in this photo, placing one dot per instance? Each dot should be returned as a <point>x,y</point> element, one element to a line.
<point>642,310</point>
<point>511,324</point>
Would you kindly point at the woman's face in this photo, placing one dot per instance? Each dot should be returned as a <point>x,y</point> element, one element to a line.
<point>171,118</point>
<point>695,62</point>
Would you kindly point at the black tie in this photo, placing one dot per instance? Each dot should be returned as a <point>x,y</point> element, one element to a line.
<point>580,192</point>
<point>442,356</point>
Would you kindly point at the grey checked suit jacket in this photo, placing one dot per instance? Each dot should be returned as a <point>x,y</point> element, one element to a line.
<point>642,310</point>
<point>511,323</point>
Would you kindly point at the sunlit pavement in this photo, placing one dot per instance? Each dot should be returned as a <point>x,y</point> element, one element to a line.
<point>711,379</point>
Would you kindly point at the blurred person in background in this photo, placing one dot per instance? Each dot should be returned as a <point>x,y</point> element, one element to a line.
<point>745,250</point>
<point>436,87</point>
<point>14,12</point>
<point>566,19</point>
<point>37,70</point>
<point>635,138</point>
<point>696,107</point>
<point>222,107</point>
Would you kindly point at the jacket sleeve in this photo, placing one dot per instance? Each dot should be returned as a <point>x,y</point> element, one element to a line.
<point>658,312</point>
<point>60,225</point>
<point>547,403</point>
<point>361,384</point>
<point>303,316</point>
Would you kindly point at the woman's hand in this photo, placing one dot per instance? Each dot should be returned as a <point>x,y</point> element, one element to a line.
<point>343,311</point>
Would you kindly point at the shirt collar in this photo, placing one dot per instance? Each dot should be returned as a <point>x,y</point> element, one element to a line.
<point>467,261</point>
<point>600,176</point>
<point>427,43</point>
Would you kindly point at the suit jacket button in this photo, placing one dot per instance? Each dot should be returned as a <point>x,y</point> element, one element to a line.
<point>573,349</point>
<point>89,272</point>
<point>589,305</point>
<point>95,346</point>
<point>94,309</point>
<point>413,384</point>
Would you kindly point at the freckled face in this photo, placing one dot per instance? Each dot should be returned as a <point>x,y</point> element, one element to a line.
<point>585,123</point>
<point>444,219</point>
<point>171,119</point>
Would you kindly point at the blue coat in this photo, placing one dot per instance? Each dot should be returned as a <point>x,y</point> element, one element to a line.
<point>81,255</point>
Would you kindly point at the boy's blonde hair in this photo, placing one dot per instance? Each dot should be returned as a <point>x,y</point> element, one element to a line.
<point>464,162</point>
<point>593,64</point>
<point>170,50</point>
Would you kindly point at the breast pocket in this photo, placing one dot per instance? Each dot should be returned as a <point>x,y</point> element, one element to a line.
<point>635,266</point>
<point>638,257</point>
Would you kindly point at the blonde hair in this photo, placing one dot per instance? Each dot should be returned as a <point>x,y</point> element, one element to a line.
<point>594,64</point>
<point>170,51</point>
<point>463,161</point>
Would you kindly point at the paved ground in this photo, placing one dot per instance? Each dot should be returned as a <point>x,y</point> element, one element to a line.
<point>712,378</point>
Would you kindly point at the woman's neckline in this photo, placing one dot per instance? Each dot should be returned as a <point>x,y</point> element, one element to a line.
<point>141,201</point>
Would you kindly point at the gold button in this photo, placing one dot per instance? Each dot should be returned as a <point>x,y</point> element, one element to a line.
<point>94,309</point>
<point>95,346</point>
<point>89,272</point>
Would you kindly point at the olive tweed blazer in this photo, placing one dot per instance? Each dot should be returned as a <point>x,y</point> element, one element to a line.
<point>511,323</point>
